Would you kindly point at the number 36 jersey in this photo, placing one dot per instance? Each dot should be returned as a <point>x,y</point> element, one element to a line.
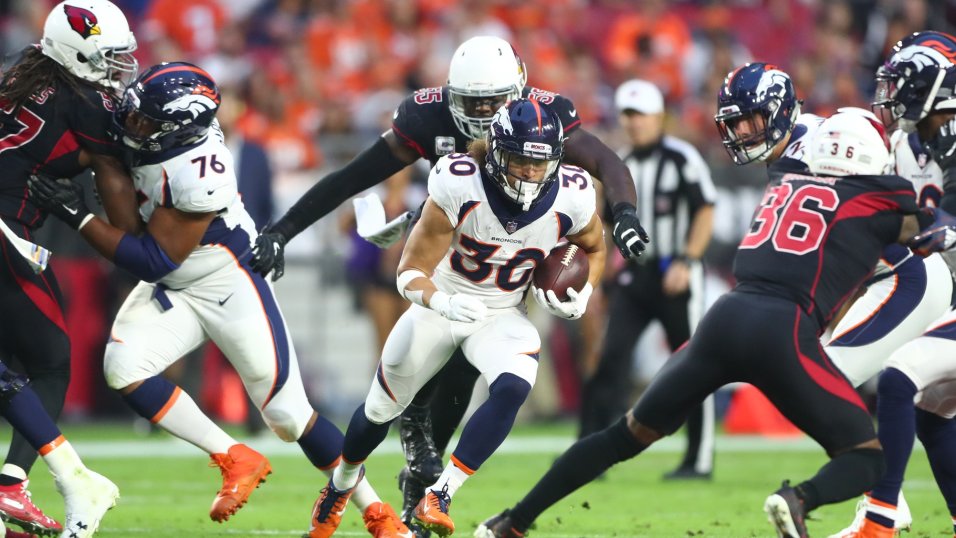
<point>496,245</point>
<point>815,239</point>
<point>201,179</point>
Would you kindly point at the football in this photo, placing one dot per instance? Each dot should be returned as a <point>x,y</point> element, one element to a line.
<point>565,267</point>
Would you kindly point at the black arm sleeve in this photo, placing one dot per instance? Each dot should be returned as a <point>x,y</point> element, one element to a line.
<point>948,202</point>
<point>367,169</point>
<point>587,151</point>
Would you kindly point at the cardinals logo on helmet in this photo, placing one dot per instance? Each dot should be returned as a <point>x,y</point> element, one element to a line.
<point>83,21</point>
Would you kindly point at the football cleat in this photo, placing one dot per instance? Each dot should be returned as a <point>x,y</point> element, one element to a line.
<point>10,533</point>
<point>500,526</point>
<point>16,506</point>
<point>381,521</point>
<point>870,529</point>
<point>243,469</point>
<point>412,491</point>
<point>900,514</point>
<point>421,455</point>
<point>785,512</point>
<point>329,507</point>
<point>687,473</point>
<point>88,496</point>
<point>432,512</point>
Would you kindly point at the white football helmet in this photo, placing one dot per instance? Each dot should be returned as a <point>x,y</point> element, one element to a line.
<point>91,39</point>
<point>483,68</point>
<point>850,143</point>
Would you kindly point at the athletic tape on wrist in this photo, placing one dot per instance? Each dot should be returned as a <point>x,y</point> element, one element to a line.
<point>404,279</point>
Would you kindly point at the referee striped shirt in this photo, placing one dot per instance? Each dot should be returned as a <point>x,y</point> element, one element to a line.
<point>673,182</point>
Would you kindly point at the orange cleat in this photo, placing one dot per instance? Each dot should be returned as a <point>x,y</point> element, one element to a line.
<point>243,469</point>
<point>329,507</point>
<point>432,512</point>
<point>872,529</point>
<point>382,522</point>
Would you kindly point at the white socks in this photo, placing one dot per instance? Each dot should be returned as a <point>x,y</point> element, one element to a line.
<point>452,477</point>
<point>13,471</point>
<point>186,421</point>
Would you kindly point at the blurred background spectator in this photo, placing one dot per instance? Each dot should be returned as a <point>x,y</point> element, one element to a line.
<point>306,83</point>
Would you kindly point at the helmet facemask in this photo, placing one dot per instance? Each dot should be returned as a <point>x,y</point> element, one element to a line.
<point>465,105</point>
<point>752,135</point>
<point>523,175</point>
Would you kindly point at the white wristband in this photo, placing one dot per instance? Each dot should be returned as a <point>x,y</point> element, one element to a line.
<point>404,279</point>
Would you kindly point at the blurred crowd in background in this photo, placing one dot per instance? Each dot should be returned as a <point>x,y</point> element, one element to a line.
<point>308,83</point>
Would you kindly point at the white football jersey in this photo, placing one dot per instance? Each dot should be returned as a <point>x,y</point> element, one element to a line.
<point>200,180</point>
<point>495,244</point>
<point>798,146</point>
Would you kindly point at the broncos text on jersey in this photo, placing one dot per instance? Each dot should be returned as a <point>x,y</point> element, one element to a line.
<point>496,245</point>
<point>200,180</point>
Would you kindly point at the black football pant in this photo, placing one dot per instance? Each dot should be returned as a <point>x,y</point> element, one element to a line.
<point>635,300</point>
<point>774,345</point>
<point>32,334</point>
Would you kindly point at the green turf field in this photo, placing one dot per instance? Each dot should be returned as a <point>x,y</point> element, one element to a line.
<point>167,488</point>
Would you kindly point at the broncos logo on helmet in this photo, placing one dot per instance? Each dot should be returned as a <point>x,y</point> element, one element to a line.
<point>83,21</point>
<point>910,83</point>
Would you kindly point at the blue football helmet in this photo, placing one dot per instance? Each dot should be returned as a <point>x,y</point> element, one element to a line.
<point>170,105</point>
<point>916,79</point>
<point>757,107</point>
<point>527,134</point>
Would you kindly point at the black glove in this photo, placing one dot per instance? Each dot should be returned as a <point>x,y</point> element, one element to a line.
<point>628,234</point>
<point>942,147</point>
<point>269,254</point>
<point>62,198</point>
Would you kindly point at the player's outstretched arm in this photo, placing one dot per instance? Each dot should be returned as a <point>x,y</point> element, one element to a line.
<point>587,151</point>
<point>116,191</point>
<point>425,248</point>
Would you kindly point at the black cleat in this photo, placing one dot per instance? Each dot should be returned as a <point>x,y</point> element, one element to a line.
<point>412,492</point>
<point>499,526</point>
<point>785,512</point>
<point>687,473</point>
<point>422,457</point>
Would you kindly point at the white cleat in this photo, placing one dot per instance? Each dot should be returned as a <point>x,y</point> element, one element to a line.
<point>88,496</point>
<point>901,516</point>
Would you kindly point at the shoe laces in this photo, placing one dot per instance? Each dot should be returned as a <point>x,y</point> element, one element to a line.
<point>331,498</point>
<point>21,489</point>
<point>443,498</point>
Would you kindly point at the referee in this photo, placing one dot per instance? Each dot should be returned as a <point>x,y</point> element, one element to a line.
<point>675,202</point>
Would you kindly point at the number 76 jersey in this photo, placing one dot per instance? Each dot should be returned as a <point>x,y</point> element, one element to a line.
<point>496,245</point>
<point>815,239</point>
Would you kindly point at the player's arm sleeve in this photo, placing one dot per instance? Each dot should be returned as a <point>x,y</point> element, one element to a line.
<point>369,168</point>
<point>442,190</point>
<point>587,151</point>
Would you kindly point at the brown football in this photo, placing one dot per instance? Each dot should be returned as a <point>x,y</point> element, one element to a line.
<point>565,267</point>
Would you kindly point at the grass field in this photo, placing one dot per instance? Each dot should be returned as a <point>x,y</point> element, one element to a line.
<point>167,489</point>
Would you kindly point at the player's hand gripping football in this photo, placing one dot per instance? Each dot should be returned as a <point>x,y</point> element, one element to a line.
<point>573,308</point>
<point>629,235</point>
<point>938,236</point>
<point>942,147</point>
<point>458,306</point>
<point>269,254</point>
<point>63,198</point>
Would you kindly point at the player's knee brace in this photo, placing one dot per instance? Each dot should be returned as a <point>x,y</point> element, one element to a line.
<point>287,425</point>
<point>10,384</point>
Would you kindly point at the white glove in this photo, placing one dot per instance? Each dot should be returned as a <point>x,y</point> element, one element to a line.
<point>573,308</point>
<point>458,306</point>
<point>370,220</point>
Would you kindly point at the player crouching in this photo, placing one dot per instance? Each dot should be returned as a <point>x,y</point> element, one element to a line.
<point>491,216</point>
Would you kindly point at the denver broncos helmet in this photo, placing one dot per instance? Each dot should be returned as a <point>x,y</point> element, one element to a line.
<point>917,78</point>
<point>757,107</point>
<point>524,132</point>
<point>170,105</point>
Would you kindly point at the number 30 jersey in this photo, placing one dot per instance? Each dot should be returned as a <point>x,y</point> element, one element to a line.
<point>815,239</point>
<point>201,179</point>
<point>496,246</point>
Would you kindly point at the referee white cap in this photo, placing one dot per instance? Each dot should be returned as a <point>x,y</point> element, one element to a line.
<point>639,95</point>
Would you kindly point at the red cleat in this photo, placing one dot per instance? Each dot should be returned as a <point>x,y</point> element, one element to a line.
<point>16,507</point>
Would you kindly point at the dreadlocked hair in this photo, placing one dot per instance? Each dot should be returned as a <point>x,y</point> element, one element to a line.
<point>34,73</point>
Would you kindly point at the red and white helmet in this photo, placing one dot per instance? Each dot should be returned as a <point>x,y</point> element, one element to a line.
<point>851,142</point>
<point>483,67</point>
<point>91,39</point>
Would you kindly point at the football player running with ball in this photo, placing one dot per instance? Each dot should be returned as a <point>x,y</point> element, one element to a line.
<point>491,215</point>
<point>197,286</point>
<point>485,73</point>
